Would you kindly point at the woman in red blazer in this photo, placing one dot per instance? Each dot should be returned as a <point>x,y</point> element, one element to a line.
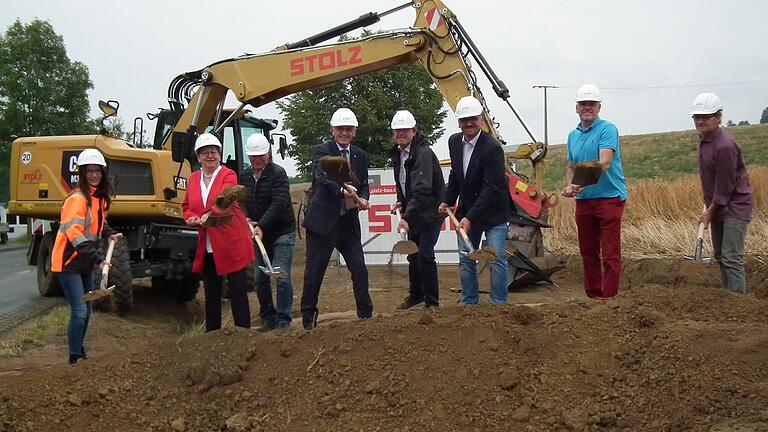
<point>224,249</point>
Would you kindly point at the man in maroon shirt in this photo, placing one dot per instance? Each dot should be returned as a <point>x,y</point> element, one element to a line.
<point>726,189</point>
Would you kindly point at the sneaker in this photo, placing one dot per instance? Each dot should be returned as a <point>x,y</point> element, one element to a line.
<point>409,302</point>
<point>283,328</point>
<point>267,326</point>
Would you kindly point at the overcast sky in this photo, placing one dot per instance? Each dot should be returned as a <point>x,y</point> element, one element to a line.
<point>650,58</point>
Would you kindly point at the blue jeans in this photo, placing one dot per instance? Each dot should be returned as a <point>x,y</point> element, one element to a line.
<point>280,253</point>
<point>496,238</point>
<point>74,286</point>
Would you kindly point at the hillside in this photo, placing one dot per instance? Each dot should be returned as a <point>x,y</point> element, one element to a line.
<point>661,155</point>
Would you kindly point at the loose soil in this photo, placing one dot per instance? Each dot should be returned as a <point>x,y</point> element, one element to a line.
<point>673,352</point>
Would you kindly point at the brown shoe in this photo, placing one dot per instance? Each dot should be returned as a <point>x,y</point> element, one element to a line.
<point>409,302</point>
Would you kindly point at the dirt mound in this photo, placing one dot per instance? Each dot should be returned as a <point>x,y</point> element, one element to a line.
<point>653,359</point>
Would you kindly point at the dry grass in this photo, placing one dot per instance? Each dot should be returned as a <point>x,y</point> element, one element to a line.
<point>660,219</point>
<point>36,333</point>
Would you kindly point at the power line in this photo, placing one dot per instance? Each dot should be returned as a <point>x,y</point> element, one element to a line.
<point>660,87</point>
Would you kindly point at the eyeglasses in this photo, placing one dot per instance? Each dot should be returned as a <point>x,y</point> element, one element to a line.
<point>206,153</point>
<point>466,120</point>
<point>703,117</point>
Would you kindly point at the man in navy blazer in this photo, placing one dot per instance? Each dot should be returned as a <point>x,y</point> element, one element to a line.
<point>332,220</point>
<point>477,180</point>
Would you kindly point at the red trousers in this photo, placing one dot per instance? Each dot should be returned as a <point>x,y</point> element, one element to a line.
<point>599,224</point>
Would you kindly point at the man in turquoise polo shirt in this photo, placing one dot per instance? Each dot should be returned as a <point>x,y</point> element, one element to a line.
<point>599,207</point>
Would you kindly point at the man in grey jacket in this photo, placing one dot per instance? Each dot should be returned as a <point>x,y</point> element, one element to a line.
<point>420,188</point>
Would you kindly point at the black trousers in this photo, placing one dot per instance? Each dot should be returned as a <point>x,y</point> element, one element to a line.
<point>319,248</point>
<point>422,268</point>
<point>238,298</point>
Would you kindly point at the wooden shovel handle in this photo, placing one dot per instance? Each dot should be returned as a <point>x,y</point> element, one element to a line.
<point>702,227</point>
<point>263,250</point>
<point>261,246</point>
<point>399,218</point>
<point>110,250</point>
<point>459,228</point>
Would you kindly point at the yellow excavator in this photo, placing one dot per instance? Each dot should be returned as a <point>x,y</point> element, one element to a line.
<point>150,182</point>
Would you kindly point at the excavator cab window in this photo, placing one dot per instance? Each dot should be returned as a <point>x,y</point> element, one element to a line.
<point>228,156</point>
<point>166,121</point>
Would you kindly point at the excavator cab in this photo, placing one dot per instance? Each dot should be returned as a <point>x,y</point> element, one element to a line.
<point>233,137</point>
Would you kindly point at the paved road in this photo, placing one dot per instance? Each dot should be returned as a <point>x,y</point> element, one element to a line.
<point>19,298</point>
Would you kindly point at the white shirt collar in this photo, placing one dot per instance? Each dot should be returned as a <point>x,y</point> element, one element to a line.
<point>344,148</point>
<point>471,142</point>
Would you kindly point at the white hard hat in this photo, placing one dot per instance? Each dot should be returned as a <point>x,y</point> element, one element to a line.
<point>588,93</point>
<point>468,106</point>
<point>403,120</point>
<point>205,140</point>
<point>257,145</point>
<point>344,117</point>
<point>706,103</point>
<point>91,156</point>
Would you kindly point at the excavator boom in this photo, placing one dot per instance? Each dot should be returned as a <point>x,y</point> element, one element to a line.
<point>436,40</point>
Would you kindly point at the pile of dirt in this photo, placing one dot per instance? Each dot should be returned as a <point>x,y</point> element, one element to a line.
<point>655,358</point>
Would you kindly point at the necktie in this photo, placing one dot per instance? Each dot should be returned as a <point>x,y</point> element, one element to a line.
<point>348,202</point>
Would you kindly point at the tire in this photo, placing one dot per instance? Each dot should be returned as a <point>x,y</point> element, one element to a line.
<point>188,290</point>
<point>183,291</point>
<point>47,282</point>
<point>120,276</point>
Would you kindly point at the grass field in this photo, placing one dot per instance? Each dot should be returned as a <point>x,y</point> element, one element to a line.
<point>660,218</point>
<point>661,155</point>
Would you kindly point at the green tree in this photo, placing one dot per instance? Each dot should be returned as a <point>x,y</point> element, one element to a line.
<point>42,91</point>
<point>744,123</point>
<point>374,98</point>
<point>764,117</point>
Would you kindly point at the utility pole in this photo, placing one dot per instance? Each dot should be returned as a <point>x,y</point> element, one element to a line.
<point>545,87</point>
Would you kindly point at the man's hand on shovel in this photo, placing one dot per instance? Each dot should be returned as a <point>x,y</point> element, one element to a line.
<point>351,193</point>
<point>268,270</point>
<point>404,246</point>
<point>483,255</point>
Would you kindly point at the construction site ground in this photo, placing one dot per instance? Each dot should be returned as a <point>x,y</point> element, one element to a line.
<point>673,352</point>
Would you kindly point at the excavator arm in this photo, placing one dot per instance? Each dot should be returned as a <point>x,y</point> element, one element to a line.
<point>436,40</point>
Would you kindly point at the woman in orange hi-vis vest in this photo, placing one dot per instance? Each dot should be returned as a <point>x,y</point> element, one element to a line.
<point>76,251</point>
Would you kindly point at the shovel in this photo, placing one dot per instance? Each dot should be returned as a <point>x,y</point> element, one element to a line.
<point>337,169</point>
<point>484,255</point>
<point>103,291</point>
<point>268,270</point>
<point>699,248</point>
<point>404,246</point>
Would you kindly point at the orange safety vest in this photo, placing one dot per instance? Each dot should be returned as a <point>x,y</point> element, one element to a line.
<point>79,223</point>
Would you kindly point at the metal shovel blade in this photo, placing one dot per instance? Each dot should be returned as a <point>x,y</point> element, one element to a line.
<point>697,254</point>
<point>405,247</point>
<point>97,294</point>
<point>484,255</point>
<point>271,271</point>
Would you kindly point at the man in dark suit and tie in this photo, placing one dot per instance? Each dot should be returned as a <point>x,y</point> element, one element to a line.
<point>332,220</point>
<point>477,180</point>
